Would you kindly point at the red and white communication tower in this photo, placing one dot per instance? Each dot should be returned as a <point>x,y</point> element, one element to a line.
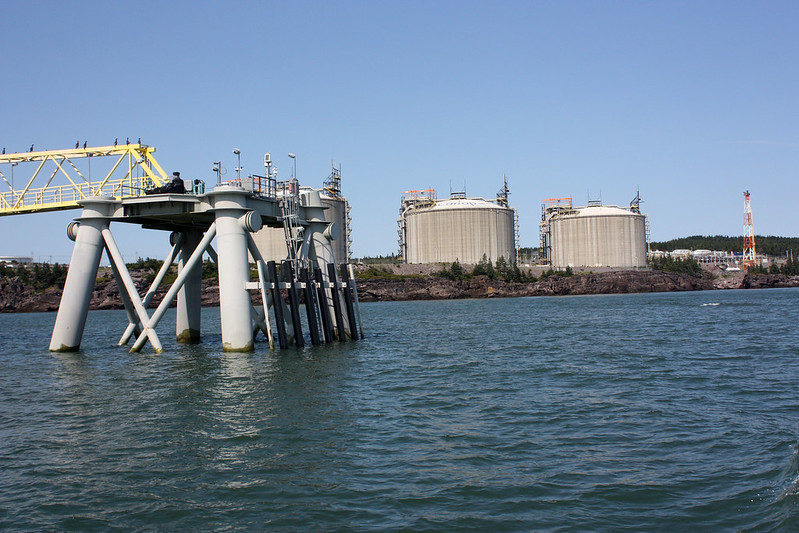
<point>749,257</point>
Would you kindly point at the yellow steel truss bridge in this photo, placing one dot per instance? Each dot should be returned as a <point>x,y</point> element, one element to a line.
<point>133,170</point>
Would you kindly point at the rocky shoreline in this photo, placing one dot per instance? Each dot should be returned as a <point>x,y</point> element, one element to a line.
<point>16,297</point>
<point>617,282</point>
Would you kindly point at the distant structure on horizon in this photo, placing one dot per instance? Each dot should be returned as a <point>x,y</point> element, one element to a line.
<point>749,254</point>
<point>458,228</point>
<point>21,260</point>
<point>594,235</point>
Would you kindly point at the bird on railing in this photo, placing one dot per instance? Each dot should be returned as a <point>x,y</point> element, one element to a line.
<point>116,141</point>
<point>127,140</point>
<point>139,140</point>
<point>84,144</point>
<point>4,151</point>
<point>77,144</point>
<point>31,148</point>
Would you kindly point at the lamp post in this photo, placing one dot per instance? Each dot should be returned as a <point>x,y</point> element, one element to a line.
<point>294,157</point>
<point>238,168</point>
<point>218,169</point>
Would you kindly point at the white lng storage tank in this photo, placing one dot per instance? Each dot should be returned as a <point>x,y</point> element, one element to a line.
<point>594,236</point>
<point>456,229</point>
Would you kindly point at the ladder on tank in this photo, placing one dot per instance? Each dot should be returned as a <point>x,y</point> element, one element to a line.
<point>289,210</point>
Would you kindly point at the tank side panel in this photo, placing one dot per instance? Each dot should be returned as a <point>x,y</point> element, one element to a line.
<point>271,242</point>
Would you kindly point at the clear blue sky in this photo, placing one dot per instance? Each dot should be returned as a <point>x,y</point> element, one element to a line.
<point>692,101</point>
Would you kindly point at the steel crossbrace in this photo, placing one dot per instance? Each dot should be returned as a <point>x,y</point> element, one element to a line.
<point>130,288</point>
<point>159,278</point>
<point>151,322</point>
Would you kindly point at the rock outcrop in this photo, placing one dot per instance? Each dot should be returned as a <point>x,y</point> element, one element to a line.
<point>437,288</point>
<point>769,281</point>
<point>17,297</point>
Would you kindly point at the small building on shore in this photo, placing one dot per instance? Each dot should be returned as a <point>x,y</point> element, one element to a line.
<point>20,260</point>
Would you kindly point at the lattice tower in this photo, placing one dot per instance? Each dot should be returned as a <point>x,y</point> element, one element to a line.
<point>749,255</point>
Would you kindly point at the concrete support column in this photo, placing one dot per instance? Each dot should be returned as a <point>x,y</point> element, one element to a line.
<point>189,305</point>
<point>74,307</point>
<point>233,220</point>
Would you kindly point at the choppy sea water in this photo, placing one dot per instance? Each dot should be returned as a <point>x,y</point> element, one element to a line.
<point>645,412</point>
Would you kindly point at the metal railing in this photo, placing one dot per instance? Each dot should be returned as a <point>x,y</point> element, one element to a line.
<point>57,197</point>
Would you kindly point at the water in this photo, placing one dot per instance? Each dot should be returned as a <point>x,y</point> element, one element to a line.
<point>647,412</point>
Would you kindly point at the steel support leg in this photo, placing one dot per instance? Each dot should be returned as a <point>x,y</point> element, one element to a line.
<point>74,307</point>
<point>189,306</point>
<point>235,307</point>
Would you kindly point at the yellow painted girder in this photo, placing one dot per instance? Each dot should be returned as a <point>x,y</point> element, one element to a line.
<point>92,151</point>
<point>54,197</point>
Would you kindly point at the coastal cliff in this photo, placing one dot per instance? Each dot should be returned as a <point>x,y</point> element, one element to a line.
<point>437,288</point>
<point>18,297</point>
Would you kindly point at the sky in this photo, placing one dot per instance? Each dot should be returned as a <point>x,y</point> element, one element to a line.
<point>691,102</point>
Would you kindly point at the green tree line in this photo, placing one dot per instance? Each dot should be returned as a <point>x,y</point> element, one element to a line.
<point>151,266</point>
<point>43,275</point>
<point>769,245</point>
<point>669,264</point>
<point>499,270</point>
<point>789,268</point>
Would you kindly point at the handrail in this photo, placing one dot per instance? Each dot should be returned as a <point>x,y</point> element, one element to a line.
<point>57,197</point>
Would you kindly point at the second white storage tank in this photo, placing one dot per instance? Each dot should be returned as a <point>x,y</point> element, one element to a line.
<point>598,236</point>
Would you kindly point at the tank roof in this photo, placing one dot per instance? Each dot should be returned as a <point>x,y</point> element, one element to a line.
<point>466,203</point>
<point>601,211</point>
